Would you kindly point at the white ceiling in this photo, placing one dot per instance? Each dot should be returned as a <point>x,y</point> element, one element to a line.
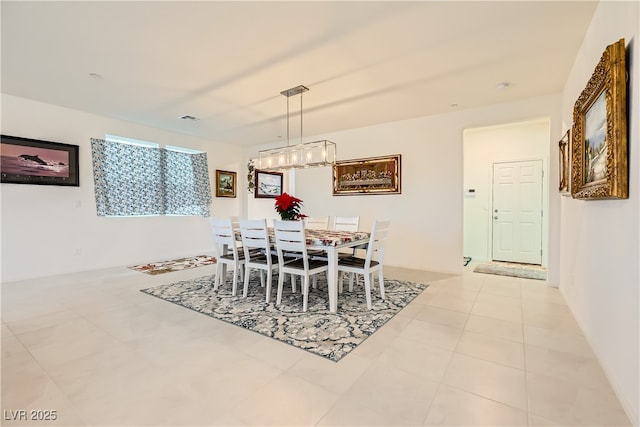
<point>227,62</point>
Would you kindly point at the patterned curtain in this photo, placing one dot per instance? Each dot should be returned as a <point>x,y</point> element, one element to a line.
<point>137,180</point>
<point>186,183</point>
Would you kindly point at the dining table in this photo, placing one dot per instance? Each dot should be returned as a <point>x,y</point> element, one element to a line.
<point>330,241</point>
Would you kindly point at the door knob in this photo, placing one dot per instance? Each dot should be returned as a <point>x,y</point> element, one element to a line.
<point>495,217</point>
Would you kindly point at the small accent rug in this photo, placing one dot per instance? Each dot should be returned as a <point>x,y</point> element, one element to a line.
<point>174,264</point>
<point>330,335</point>
<point>513,269</point>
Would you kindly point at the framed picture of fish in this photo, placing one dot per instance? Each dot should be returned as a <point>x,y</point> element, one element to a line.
<point>32,161</point>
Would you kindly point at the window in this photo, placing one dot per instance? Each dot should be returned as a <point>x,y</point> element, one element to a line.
<point>182,150</point>
<point>136,178</point>
<point>125,140</point>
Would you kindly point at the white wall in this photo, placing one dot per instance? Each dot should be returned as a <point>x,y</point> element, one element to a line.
<point>599,239</point>
<point>79,240</point>
<point>482,148</point>
<point>49,230</point>
<point>427,218</point>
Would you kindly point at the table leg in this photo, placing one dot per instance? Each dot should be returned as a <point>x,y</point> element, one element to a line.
<point>332,279</point>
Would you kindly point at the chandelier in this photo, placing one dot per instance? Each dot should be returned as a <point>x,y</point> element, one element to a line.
<point>302,155</point>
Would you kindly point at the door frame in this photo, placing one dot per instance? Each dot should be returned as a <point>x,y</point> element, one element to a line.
<point>527,138</point>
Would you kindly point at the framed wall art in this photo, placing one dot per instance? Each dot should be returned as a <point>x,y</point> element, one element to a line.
<point>373,175</point>
<point>599,143</point>
<point>268,184</point>
<point>225,184</point>
<point>32,161</point>
<point>565,164</point>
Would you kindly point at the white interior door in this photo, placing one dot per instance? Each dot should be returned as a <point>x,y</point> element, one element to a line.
<point>517,212</point>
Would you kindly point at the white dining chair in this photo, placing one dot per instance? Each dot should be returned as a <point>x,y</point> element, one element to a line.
<point>257,253</point>
<point>226,251</point>
<point>343,223</point>
<point>316,222</point>
<point>235,221</point>
<point>290,237</point>
<point>367,266</point>
<point>346,223</point>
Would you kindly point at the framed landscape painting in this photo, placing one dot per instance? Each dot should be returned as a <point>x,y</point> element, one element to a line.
<point>373,175</point>
<point>225,184</point>
<point>32,161</point>
<point>599,144</point>
<point>268,184</point>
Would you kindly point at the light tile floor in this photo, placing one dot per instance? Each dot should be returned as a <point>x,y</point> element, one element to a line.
<point>470,350</point>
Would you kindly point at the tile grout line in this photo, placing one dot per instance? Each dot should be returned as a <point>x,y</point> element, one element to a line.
<point>453,352</point>
<point>76,412</point>
<point>524,355</point>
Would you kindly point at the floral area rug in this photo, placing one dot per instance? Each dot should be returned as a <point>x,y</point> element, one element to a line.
<point>330,335</point>
<point>174,265</point>
<point>513,269</point>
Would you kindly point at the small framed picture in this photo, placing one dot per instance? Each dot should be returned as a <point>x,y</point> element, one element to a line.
<point>225,184</point>
<point>32,161</point>
<point>565,164</point>
<point>268,184</point>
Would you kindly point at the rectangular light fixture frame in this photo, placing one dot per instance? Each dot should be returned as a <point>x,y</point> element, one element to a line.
<point>305,155</point>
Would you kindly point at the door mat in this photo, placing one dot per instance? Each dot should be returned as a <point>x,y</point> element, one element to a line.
<point>513,269</point>
<point>174,264</point>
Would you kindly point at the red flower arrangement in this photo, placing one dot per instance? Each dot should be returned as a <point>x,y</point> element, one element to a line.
<point>289,207</point>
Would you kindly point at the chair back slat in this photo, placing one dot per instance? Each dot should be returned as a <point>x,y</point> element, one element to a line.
<point>317,222</point>
<point>346,223</point>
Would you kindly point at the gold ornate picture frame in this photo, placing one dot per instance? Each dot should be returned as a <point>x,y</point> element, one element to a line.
<point>225,184</point>
<point>565,164</point>
<point>599,143</point>
<point>373,175</point>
